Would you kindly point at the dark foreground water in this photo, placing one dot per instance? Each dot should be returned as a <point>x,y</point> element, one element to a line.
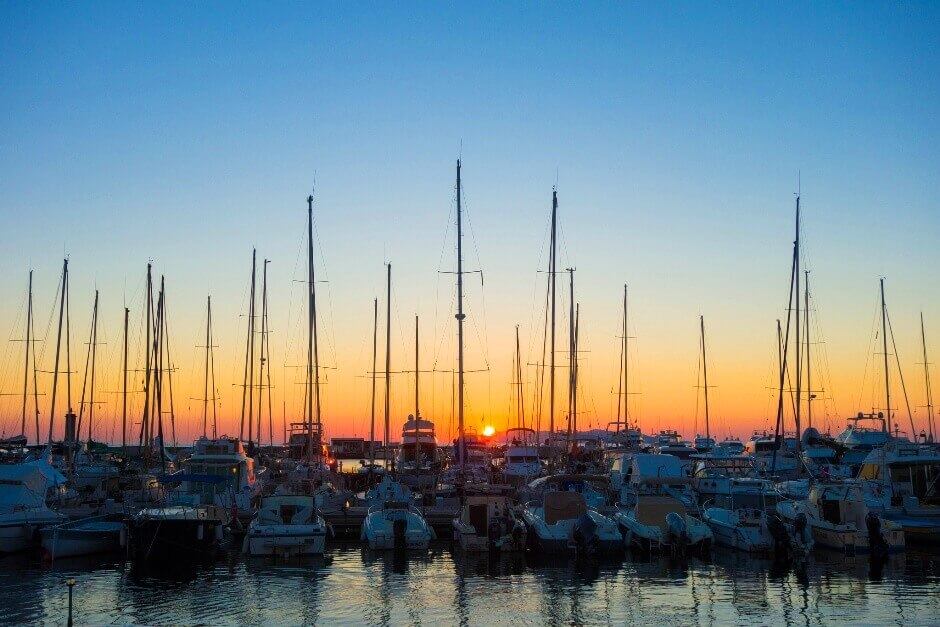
<point>354,586</point>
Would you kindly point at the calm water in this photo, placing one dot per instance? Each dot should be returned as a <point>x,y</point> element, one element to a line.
<point>354,586</point>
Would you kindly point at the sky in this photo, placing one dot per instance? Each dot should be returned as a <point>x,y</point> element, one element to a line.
<point>676,134</point>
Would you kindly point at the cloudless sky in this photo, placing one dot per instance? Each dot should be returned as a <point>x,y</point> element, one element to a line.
<point>676,133</point>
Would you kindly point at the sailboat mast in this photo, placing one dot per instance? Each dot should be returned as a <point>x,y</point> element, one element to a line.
<point>520,404</point>
<point>388,360</point>
<point>574,377</point>
<point>124,387</point>
<point>551,278</point>
<point>205,396</point>
<point>310,328</point>
<point>375,347</point>
<point>460,318</point>
<point>58,346</point>
<point>626,366</point>
<point>262,360</point>
<point>29,319</point>
<point>250,382</point>
<point>708,430</point>
<point>809,385</point>
<point>144,423</point>
<point>94,351</point>
<point>35,375</point>
<point>798,346</point>
<point>884,337</point>
<point>158,378</point>
<point>923,341</point>
<point>571,349</point>
<point>416,378</point>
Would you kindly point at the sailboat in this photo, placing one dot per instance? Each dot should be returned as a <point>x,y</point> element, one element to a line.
<point>392,521</point>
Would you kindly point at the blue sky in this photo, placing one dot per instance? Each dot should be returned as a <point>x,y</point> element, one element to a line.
<point>675,132</point>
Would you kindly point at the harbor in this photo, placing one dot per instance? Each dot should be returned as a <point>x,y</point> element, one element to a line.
<point>509,314</point>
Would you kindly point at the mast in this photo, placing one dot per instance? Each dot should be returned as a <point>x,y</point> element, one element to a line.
<point>265,328</point>
<point>265,342</point>
<point>799,361</point>
<point>388,360</point>
<point>144,424</point>
<point>29,320</point>
<point>884,337</point>
<point>35,376</point>
<point>571,355</point>
<point>460,318</point>
<point>124,388</point>
<point>158,375</point>
<point>708,430</point>
<point>417,414</point>
<point>250,382</point>
<point>94,351</point>
<point>375,345</point>
<point>205,396</point>
<point>551,277</point>
<point>574,377</point>
<point>58,346</point>
<point>169,368</point>
<point>809,385</point>
<point>923,341</point>
<point>520,405</point>
<point>309,386</point>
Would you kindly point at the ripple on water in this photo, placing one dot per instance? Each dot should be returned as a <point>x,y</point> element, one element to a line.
<point>355,586</point>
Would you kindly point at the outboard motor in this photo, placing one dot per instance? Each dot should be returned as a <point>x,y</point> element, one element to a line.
<point>778,531</point>
<point>585,534</point>
<point>678,537</point>
<point>399,527</point>
<point>801,528</point>
<point>876,540</point>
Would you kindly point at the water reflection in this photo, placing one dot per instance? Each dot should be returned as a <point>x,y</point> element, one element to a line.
<point>355,585</point>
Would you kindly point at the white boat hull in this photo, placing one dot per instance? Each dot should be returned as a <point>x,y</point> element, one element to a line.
<point>285,541</point>
<point>94,538</point>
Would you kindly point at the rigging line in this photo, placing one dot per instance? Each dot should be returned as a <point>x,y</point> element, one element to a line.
<point>897,358</point>
<point>869,351</point>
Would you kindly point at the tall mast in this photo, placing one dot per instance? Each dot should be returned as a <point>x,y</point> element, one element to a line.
<point>574,377</point>
<point>94,351</point>
<point>35,376</point>
<point>169,365</point>
<point>148,306</point>
<point>267,358</point>
<point>416,377</point>
<point>708,430</point>
<point>799,361</point>
<point>460,318</point>
<point>923,340</point>
<point>58,346</point>
<point>520,405</point>
<point>205,396</point>
<point>250,382</point>
<point>809,384</point>
<point>551,278</point>
<point>388,359</point>
<point>310,328</point>
<point>68,350</point>
<point>264,342</point>
<point>29,320</point>
<point>375,346</point>
<point>124,388</point>
<point>316,353</point>
<point>884,337</point>
<point>158,378</point>
<point>571,350</point>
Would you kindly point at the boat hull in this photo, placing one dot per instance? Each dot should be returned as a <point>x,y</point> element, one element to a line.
<point>107,538</point>
<point>285,543</point>
<point>167,540</point>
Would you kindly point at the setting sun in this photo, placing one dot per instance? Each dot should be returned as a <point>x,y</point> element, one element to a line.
<point>488,431</point>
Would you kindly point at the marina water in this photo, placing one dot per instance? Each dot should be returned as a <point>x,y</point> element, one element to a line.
<point>351,585</point>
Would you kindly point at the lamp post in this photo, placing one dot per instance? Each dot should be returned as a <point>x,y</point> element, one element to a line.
<point>70,583</point>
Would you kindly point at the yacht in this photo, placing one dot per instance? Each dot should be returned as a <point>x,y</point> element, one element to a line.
<point>704,444</point>
<point>863,434</point>
<point>656,522</point>
<point>224,458</point>
<point>731,446</point>
<point>562,522</point>
<point>392,521</point>
<point>840,520</point>
<point>23,509</point>
<point>286,526</point>
<point>488,523</point>
<point>651,474</point>
<point>668,443</point>
<point>419,458</point>
<point>521,463</point>
<point>623,438</point>
<point>729,481</point>
<point>902,479</point>
<point>773,456</point>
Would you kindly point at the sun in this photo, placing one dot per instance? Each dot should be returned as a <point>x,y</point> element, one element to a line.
<point>488,431</point>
